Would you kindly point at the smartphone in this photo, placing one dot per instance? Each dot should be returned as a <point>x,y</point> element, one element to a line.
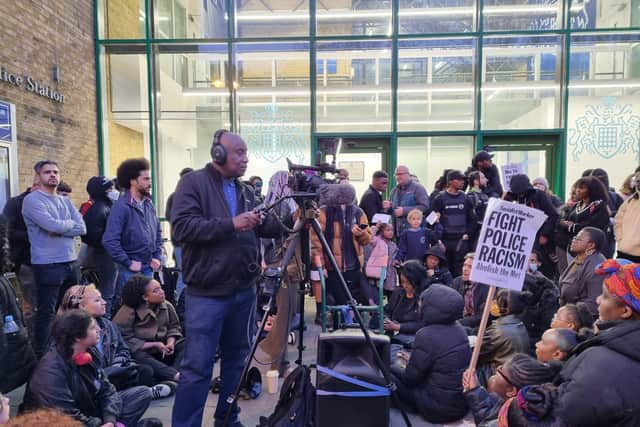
<point>363,226</point>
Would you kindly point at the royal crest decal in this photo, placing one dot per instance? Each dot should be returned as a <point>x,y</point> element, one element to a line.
<point>606,130</point>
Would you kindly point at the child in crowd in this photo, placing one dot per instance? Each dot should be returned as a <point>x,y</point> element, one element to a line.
<point>380,253</point>
<point>415,241</point>
<point>151,328</point>
<point>436,263</point>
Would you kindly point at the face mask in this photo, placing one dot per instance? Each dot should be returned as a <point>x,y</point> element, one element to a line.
<point>113,194</point>
<point>533,267</point>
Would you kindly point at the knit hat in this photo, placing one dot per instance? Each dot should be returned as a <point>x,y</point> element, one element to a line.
<point>541,181</point>
<point>623,280</point>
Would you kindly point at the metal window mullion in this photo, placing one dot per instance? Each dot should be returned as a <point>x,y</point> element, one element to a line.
<point>478,71</point>
<point>150,101</point>
<point>313,71</point>
<point>395,9</point>
<point>102,168</point>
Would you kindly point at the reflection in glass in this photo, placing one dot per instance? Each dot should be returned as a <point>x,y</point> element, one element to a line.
<point>426,156</point>
<point>121,19</point>
<point>431,16</point>
<point>603,120</point>
<point>180,19</point>
<point>591,14</point>
<point>363,18</point>
<point>435,84</point>
<point>272,19</point>
<point>273,102</point>
<point>521,86</point>
<point>501,15</point>
<point>125,109</point>
<point>353,86</point>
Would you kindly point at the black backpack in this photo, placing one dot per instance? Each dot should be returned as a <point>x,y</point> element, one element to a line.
<point>296,405</point>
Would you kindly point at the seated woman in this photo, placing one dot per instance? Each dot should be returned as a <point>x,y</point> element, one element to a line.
<point>556,344</point>
<point>117,362</point>
<point>518,371</point>
<point>579,282</point>
<point>151,328</point>
<point>401,312</point>
<point>505,336</point>
<point>436,263</point>
<point>431,381</point>
<point>70,377</point>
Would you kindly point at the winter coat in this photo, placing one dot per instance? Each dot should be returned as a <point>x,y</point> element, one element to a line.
<point>95,218</point>
<point>540,296</point>
<point>440,356</point>
<point>537,199</point>
<point>148,324</point>
<point>479,299</point>
<point>17,359</point>
<point>494,187</point>
<point>114,348</point>
<point>505,336</point>
<point>133,232</point>
<point>391,277</point>
<point>378,257</point>
<point>627,227</point>
<point>457,215</point>
<point>371,203</point>
<point>18,236</point>
<point>215,257</point>
<point>413,243</point>
<point>317,253</point>
<point>441,274</point>
<point>596,214</point>
<point>483,404</point>
<point>479,200</point>
<point>412,196</point>
<point>580,283</point>
<point>599,383</point>
<point>83,392</point>
<point>404,311</point>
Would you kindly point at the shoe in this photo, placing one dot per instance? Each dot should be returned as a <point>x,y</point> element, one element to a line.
<point>160,391</point>
<point>291,338</point>
<point>150,422</point>
<point>215,385</point>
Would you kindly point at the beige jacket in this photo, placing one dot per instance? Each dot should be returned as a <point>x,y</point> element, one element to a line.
<point>627,227</point>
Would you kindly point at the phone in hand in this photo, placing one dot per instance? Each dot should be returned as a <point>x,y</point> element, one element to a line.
<point>363,226</point>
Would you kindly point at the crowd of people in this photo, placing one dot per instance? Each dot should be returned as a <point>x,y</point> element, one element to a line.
<point>107,340</point>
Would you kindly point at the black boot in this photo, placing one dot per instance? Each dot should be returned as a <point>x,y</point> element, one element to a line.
<point>318,319</point>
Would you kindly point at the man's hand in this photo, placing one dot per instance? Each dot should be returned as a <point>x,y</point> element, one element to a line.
<point>155,264</point>
<point>357,231</point>
<point>246,221</point>
<point>469,380</point>
<point>135,266</point>
<point>386,205</point>
<point>398,212</point>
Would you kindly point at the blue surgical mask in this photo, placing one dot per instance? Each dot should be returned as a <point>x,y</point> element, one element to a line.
<point>533,267</point>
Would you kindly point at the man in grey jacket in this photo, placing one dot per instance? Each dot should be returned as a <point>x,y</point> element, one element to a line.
<point>405,197</point>
<point>52,223</point>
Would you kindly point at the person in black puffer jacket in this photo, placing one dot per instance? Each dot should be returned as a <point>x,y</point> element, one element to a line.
<point>401,312</point>
<point>432,381</point>
<point>540,297</point>
<point>436,263</point>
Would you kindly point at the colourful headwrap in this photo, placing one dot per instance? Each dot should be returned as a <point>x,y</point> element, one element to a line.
<point>623,280</point>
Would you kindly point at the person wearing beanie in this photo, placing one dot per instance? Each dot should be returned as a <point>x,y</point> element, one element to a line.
<point>458,219</point>
<point>541,183</point>
<point>627,224</point>
<point>606,368</point>
<point>436,263</point>
<point>431,383</point>
<point>518,372</point>
<point>95,213</point>
<point>482,161</point>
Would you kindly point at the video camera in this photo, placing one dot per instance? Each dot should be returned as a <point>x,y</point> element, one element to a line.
<point>308,179</point>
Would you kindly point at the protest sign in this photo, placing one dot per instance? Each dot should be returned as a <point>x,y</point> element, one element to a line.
<point>505,243</point>
<point>510,170</point>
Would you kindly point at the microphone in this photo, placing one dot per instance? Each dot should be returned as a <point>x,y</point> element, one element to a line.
<point>337,194</point>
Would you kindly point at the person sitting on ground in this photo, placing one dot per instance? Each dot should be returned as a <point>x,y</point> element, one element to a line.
<point>151,328</point>
<point>117,362</point>
<point>518,371</point>
<point>431,382</point>
<point>436,263</point>
<point>556,344</point>
<point>70,378</point>
<point>474,294</point>
<point>42,418</point>
<point>401,313</point>
<point>417,238</point>
<point>576,317</point>
<point>505,336</point>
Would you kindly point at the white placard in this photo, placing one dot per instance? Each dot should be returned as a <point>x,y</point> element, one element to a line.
<point>505,243</point>
<point>380,218</point>
<point>432,217</point>
<point>510,170</point>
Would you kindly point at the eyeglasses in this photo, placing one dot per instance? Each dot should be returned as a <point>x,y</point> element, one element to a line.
<point>402,173</point>
<point>499,372</point>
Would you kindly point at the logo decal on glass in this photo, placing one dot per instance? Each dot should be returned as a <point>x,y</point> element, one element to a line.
<point>273,135</point>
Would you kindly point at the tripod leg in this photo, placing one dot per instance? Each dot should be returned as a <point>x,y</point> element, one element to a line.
<point>233,398</point>
<point>353,305</point>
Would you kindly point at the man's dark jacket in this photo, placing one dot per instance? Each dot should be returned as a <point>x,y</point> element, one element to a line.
<point>494,187</point>
<point>96,221</point>
<point>540,296</point>
<point>18,238</point>
<point>537,199</point>
<point>371,203</point>
<point>78,391</point>
<point>599,383</point>
<point>217,261</point>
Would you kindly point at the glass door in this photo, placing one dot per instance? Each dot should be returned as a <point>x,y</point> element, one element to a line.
<point>8,153</point>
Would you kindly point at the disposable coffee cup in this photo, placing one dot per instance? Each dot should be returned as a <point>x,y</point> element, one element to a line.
<point>272,381</point>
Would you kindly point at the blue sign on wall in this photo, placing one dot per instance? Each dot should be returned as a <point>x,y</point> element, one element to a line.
<point>6,130</point>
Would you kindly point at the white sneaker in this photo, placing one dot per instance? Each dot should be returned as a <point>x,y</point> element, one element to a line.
<point>160,391</point>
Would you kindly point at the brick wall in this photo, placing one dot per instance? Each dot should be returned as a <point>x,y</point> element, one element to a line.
<point>34,36</point>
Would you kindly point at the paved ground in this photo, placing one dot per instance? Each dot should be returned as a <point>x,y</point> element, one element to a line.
<point>264,405</point>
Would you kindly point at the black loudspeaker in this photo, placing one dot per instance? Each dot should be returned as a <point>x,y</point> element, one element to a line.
<point>347,353</point>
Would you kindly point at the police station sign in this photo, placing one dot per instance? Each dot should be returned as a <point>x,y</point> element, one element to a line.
<point>29,84</point>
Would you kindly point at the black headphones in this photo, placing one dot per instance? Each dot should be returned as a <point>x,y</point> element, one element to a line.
<point>218,153</point>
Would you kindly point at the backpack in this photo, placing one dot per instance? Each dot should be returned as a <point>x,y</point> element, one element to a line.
<point>296,404</point>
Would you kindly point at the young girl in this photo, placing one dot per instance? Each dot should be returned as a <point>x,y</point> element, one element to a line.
<point>380,253</point>
<point>151,327</point>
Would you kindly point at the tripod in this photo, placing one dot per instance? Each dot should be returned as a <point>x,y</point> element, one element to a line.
<point>309,221</point>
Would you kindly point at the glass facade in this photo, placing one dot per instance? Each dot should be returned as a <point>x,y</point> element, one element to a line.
<point>433,80</point>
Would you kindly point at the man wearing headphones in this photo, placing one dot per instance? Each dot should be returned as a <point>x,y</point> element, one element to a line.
<point>214,219</point>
